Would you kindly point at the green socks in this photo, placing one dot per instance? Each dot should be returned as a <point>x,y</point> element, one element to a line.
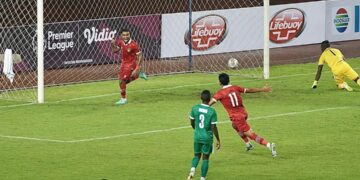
<point>195,162</point>
<point>204,168</point>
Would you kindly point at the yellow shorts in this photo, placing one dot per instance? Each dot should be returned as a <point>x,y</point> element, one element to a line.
<point>344,70</point>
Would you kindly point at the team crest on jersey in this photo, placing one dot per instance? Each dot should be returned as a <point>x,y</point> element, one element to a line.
<point>129,50</point>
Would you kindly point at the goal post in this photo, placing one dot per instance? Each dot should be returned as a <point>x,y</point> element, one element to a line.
<point>266,56</point>
<point>40,51</point>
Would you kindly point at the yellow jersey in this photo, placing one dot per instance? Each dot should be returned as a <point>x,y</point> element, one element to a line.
<point>333,58</point>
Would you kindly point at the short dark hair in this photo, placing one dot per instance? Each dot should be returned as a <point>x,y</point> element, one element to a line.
<point>205,96</point>
<point>124,30</point>
<point>224,79</point>
<point>325,44</point>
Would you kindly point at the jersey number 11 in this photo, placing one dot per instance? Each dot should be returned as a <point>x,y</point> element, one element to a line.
<point>234,100</point>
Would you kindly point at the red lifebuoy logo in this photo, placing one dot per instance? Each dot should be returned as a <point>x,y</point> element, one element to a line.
<point>207,31</point>
<point>286,25</point>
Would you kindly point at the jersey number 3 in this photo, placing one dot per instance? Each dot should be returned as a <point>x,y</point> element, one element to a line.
<point>202,119</point>
<point>234,99</point>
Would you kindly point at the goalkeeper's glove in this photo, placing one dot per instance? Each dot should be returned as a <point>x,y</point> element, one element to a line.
<point>314,86</point>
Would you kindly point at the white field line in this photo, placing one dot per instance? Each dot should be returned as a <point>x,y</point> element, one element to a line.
<point>16,105</point>
<point>33,139</point>
<point>167,130</point>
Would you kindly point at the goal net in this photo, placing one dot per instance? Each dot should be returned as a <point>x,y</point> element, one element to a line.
<point>18,75</point>
<point>174,36</point>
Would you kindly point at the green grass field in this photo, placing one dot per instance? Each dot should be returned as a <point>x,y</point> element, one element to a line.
<point>80,134</point>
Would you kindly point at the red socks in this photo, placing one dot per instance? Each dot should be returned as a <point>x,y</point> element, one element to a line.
<point>258,139</point>
<point>123,89</point>
<point>245,138</point>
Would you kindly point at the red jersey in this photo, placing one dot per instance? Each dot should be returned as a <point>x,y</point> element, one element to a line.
<point>230,97</point>
<point>128,52</point>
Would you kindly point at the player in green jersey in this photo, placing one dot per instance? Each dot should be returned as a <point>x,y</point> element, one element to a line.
<point>203,120</point>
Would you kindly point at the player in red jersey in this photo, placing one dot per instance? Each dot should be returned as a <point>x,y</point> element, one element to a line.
<point>230,97</point>
<point>131,59</point>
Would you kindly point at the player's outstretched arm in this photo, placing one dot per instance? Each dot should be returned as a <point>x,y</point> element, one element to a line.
<point>115,48</point>
<point>216,133</point>
<point>317,76</point>
<point>212,101</point>
<point>255,90</point>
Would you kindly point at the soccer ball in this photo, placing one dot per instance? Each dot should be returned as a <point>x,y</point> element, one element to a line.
<point>233,63</point>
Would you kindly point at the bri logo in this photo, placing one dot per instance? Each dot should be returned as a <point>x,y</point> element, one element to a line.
<point>207,31</point>
<point>286,25</point>
<point>341,20</point>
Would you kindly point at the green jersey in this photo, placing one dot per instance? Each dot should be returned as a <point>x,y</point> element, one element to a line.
<point>204,116</point>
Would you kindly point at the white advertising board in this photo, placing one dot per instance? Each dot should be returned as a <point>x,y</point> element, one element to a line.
<point>236,33</point>
<point>241,29</point>
<point>343,20</point>
<point>297,24</point>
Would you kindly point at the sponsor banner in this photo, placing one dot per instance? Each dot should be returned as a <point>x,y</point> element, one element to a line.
<point>297,24</point>
<point>84,42</point>
<point>232,30</point>
<point>343,20</point>
<point>287,25</point>
<point>61,42</point>
<point>214,31</point>
<point>207,32</point>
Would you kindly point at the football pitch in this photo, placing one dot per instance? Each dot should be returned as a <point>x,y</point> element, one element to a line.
<point>80,134</point>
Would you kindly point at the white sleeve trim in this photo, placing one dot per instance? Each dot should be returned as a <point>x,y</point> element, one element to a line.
<point>214,122</point>
<point>191,117</point>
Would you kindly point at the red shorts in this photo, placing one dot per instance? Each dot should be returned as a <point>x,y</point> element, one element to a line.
<point>240,124</point>
<point>125,72</point>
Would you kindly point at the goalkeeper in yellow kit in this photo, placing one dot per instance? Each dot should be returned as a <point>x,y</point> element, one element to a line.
<point>340,69</point>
